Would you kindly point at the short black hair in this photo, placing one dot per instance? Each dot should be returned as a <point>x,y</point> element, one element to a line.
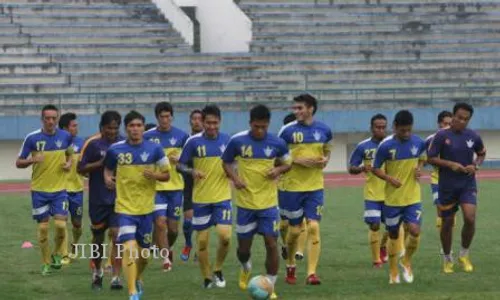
<point>212,110</point>
<point>289,118</point>
<point>66,119</point>
<point>194,112</point>
<point>403,118</point>
<point>164,107</point>
<point>260,112</point>
<point>109,117</point>
<point>308,100</point>
<point>377,117</point>
<point>464,106</point>
<point>444,114</point>
<point>49,107</point>
<point>133,115</point>
<point>150,126</point>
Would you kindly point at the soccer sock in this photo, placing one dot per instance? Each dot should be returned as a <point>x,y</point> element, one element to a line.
<point>401,238</point>
<point>224,233</point>
<point>60,240</point>
<point>291,241</point>
<point>314,247</point>
<point>284,231</point>
<point>109,261</point>
<point>77,233</point>
<point>187,229</point>
<point>374,239</point>
<point>64,250</point>
<point>43,241</point>
<point>439,223</point>
<point>272,278</point>
<point>202,241</point>
<point>411,247</point>
<point>393,250</point>
<point>385,237</point>
<point>464,252</point>
<point>301,241</point>
<point>130,265</point>
<point>142,263</point>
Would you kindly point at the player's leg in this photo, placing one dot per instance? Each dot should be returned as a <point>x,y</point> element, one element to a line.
<point>223,218</point>
<point>174,209</point>
<point>283,225</point>
<point>59,209</point>
<point>384,257</point>
<point>246,227</point>
<point>448,207</point>
<point>41,214</point>
<point>160,226</point>
<point>127,236</point>
<point>468,205</point>
<point>301,241</point>
<point>115,251</point>
<point>392,216</point>
<point>411,217</point>
<point>99,216</point>
<point>313,210</point>
<point>372,216</point>
<point>187,226</point>
<point>202,221</point>
<point>75,201</point>
<point>292,208</point>
<point>268,227</point>
<point>144,239</point>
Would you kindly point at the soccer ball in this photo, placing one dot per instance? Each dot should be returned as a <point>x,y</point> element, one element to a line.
<point>260,287</point>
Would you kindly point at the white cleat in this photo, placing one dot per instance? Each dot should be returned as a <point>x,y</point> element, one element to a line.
<point>219,280</point>
<point>394,280</point>
<point>407,272</point>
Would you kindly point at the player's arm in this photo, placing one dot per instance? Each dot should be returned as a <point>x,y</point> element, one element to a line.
<point>186,157</point>
<point>355,162</point>
<point>24,160</point>
<point>381,156</point>
<point>69,154</point>
<point>161,172</point>
<point>283,162</point>
<point>228,159</point>
<point>433,155</point>
<point>110,163</point>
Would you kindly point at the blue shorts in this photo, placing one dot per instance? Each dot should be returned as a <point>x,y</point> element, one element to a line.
<point>395,215</point>
<point>75,201</point>
<point>102,217</point>
<point>294,206</point>
<point>450,199</point>
<point>262,221</point>
<point>139,228</point>
<point>435,193</point>
<point>373,212</point>
<point>207,215</point>
<point>168,204</point>
<point>49,204</point>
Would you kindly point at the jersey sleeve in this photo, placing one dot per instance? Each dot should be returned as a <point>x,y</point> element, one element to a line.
<point>356,157</point>
<point>160,159</point>
<point>479,145</point>
<point>88,154</point>
<point>283,153</point>
<point>436,145</point>
<point>110,160</point>
<point>26,148</point>
<point>184,139</point>
<point>381,155</point>
<point>230,152</point>
<point>283,134</point>
<point>329,135</point>
<point>187,152</point>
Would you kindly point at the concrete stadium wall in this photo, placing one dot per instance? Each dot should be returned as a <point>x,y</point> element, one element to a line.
<point>179,19</point>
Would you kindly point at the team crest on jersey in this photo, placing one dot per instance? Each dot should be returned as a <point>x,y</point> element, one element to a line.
<point>447,142</point>
<point>59,144</point>
<point>222,148</point>
<point>470,143</point>
<point>144,156</point>
<point>414,150</point>
<point>75,148</point>
<point>103,153</point>
<point>317,135</point>
<point>173,141</point>
<point>268,151</point>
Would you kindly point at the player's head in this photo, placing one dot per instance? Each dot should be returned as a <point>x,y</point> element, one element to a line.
<point>260,117</point>
<point>211,120</point>
<point>304,107</point>
<point>378,126</point>
<point>50,116</point>
<point>289,118</point>
<point>110,124</point>
<point>69,123</point>
<point>150,126</point>
<point>444,119</point>
<point>403,124</point>
<point>134,125</point>
<point>164,113</point>
<point>196,121</point>
<point>462,113</point>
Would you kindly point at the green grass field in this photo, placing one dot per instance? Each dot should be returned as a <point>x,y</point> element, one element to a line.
<point>345,266</point>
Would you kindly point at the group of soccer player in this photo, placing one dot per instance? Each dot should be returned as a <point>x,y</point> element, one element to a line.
<point>393,167</point>
<point>140,183</point>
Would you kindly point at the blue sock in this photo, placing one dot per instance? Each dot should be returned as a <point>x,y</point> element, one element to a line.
<point>187,228</point>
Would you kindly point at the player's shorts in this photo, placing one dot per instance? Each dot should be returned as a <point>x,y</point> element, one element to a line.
<point>45,204</point>
<point>75,201</point>
<point>395,215</point>
<point>207,215</point>
<point>139,228</point>
<point>373,212</point>
<point>261,221</point>
<point>450,199</point>
<point>102,217</point>
<point>294,206</point>
<point>435,193</point>
<point>168,204</point>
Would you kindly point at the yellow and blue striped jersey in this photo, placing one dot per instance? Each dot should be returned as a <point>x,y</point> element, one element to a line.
<point>305,141</point>
<point>172,142</point>
<point>255,158</point>
<point>205,155</point>
<point>135,194</point>
<point>48,175</point>
<point>435,170</point>
<point>75,180</point>
<point>401,158</point>
<point>364,153</point>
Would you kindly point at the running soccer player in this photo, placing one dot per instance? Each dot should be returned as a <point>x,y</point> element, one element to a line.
<point>74,187</point>
<point>362,162</point>
<point>168,201</point>
<point>309,142</point>
<point>452,150</point>
<point>49,151</point>
<point>196,123</point>
<point>133,167</point>
<point>403,155</point>
<point>101,199</point>
<point>211,193</point>
<point>255,153</point>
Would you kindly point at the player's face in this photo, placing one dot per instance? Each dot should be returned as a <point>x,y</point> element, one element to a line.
<point>403,132</point>
<point>73,128</point>
<point>445,123</point>
<point>165,119</point>
<point>211,125</point>
<point>110,131</point>
<point>135,129</point>
<point>49,120</point>
<point>302,112</point>
<point>461,119</point>
<point>196,123</point>
<point>378,129</point>
<point>258,128</point>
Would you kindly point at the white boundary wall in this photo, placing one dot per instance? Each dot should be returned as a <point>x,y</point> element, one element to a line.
<point>181,22</point>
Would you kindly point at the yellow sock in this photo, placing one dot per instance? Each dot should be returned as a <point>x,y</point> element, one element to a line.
<point>224,233</point>
<point>129,263</point>
<point>109,261</point>
<point>60,240</point>
<point>401,238</point>
<point>202,240</point>
<point>77,234</point>
<point>393,250</point>
<point>65,247</point>
<point>142,263</point>
<point>385,237</point>
<point>292,244</point>
<point>284,230</point>
<point>314,247</point>
<point>301,242</point>
<point>374,239</point>
<point>411,247</point>
<point>43,241</point>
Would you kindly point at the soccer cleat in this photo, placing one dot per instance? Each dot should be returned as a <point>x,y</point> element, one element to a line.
<point>378,265</point>
<point>448,267</point>
<point>313,280</point>
<point>394,280</point>
<point>284,252</point>
<point>383,254</point>
<point>91,264</point>
<point>466,264</point>
<point>208,284</point>
<point>244,277</point>
<point>56,262</point>
<point>134,297</point>
<point>407,272</point>
<point>97,282</point>
<point>273,296</point>
<point>72,256</point>
<point>168,262</point>
<point>65,261</point>
<point>46,270</point>
<point>116,284</point>
<point>139,286</point>
<point>299,256</point>
<point>219,280</point>
<point>186,251</point>
<point>290,275</point>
